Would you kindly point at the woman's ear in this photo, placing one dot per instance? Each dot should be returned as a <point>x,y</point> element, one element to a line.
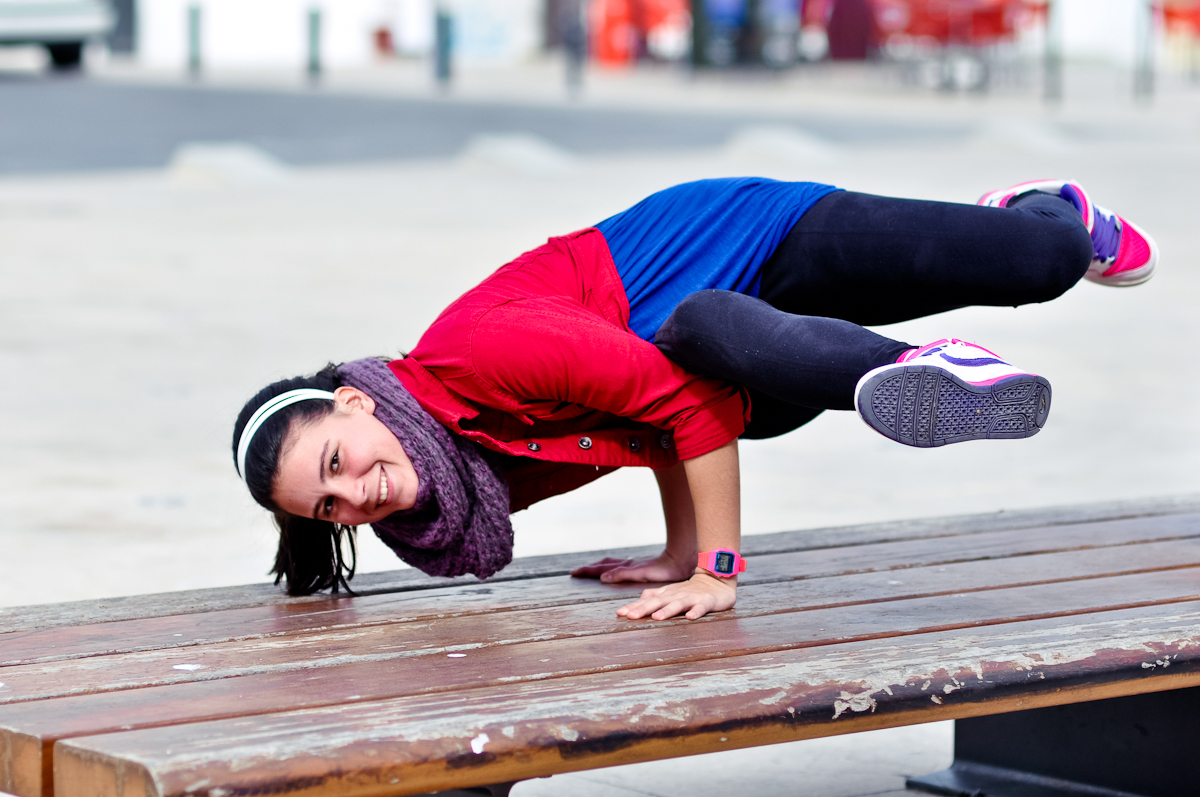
<point>352,398</point>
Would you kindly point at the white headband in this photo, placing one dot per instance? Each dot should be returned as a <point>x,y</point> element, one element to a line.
<point>264,412</point>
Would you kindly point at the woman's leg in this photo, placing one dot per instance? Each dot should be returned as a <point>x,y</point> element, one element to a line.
<point>794,366</point>
<point>797,366</point>
<point>878,260</point>
<point>860,259</point>
<point>772,417</point>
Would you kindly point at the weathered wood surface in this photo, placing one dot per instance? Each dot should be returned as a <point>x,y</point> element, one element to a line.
<point>864,609</point>
<point>884,591</point>
<point>21,618</point>
<point>37,724</point>
<point>156,633</point>
<point>500,733</point>
<point>857,607</point>
<point>868,602</point>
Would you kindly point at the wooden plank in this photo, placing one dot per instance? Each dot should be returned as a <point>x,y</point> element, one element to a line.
<point>52,644</point>
<point>474,632</point>
<point>27,730</point>
<point>23,618</point>
<point>501,733</point>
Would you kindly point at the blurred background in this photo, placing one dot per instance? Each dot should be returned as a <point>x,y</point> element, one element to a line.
<point>961,44</point>
<point>200,197</point>
<point>197,198</point>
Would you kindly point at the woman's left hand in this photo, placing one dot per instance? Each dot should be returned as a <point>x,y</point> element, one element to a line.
<point>664,567</point>
<point>699,595</point>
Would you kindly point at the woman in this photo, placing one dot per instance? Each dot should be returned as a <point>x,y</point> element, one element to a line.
<point>710,311</point>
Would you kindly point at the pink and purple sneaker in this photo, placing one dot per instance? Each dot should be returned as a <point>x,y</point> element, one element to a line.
<point>950,391</point>
<point>1123,254</point>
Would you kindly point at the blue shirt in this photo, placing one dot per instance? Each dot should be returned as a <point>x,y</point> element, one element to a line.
<point>701,235</point>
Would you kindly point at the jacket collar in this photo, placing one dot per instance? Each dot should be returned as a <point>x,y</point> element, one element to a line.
<point>429,391</point>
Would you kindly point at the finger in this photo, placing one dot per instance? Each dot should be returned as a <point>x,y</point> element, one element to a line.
<point>640,608</point>
<point>633,611</point>
<point>606,562</point>
<point>616,574</point>
<point>650,572</point>
<point>625,573</point>
<point>598,568</point>
<point>670,610</point>
<point>629,611</point>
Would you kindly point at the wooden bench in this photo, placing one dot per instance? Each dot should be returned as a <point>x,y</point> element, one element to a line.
<point>420,685</point>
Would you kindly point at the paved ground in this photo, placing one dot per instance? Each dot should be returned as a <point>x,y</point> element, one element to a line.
<point>56,124</point>
<point>131,119</point>
<point>140,307</point>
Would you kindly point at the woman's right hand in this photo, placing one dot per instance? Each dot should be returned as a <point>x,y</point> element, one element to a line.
<point>661,568</point>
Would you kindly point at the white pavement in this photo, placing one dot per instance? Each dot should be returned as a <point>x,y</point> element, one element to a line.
<point>139,310</point>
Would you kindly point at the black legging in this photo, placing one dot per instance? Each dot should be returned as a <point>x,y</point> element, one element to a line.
<point>856,259</point>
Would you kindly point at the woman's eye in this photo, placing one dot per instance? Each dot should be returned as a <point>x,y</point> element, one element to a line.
<point>333,463</point>
<point>328,506</point>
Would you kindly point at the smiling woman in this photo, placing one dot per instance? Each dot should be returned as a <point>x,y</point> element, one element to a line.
<point>648,340</point>
<point>323,452</point>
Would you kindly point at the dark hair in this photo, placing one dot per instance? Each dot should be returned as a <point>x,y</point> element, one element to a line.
<point>311,554</point>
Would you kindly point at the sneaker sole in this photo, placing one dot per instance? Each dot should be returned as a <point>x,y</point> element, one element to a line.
<point>926,406</point>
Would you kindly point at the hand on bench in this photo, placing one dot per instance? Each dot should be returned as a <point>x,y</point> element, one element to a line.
<point>699,595</point>
<point>695,592</point>
<point>702,508</point>
<point>661,569</point>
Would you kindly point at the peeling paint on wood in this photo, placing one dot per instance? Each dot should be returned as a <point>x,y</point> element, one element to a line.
<point>357,698</point>
<point>389,738</point>
<point>759,607</point>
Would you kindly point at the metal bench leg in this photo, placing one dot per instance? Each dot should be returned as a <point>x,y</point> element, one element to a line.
<point>495,790</point>
<point>1143,746</point>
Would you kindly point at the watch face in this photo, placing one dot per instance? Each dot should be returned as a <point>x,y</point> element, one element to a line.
<point>724,562</point>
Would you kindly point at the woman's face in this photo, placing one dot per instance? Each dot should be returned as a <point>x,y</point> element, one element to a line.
<point>346,467</point>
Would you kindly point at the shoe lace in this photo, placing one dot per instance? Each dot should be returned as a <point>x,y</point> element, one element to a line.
<point>1106,236</point>
<point>923,351</point>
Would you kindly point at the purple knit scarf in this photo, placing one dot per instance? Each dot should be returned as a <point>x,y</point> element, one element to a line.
<point>460,522</point>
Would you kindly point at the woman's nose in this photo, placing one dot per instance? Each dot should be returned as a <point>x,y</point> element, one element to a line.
<point>355,493</point>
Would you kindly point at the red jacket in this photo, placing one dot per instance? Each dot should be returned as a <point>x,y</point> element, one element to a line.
<point>538,362</point>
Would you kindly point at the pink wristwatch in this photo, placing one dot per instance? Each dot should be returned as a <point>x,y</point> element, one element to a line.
<point>722,562</point>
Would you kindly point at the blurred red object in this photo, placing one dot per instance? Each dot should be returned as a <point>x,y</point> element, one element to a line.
<point>384,46</point>
<point>622,31</point>
<point>853,30</point>
<point>971,22</point>
<point>1182,17</point>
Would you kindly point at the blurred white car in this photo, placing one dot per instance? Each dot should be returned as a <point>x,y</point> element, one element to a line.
<point>61,26</point>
